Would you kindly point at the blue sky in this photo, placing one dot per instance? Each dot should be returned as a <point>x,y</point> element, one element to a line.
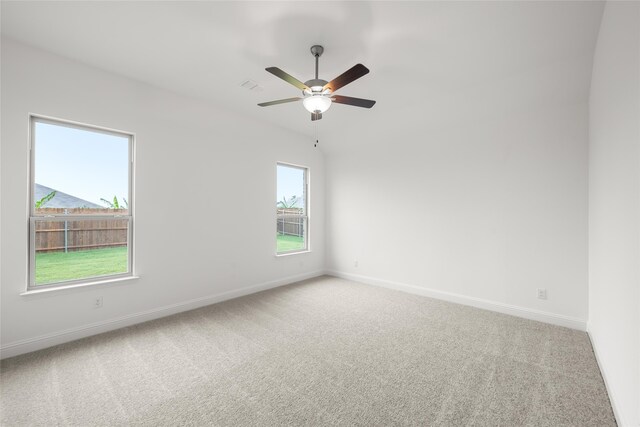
<point>85,164</point>
<point>290,182</point>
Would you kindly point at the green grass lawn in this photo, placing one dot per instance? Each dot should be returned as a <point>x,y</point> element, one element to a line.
<point>288,243</point>
<point>58,266</point>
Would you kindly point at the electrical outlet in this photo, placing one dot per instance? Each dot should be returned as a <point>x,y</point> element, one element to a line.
<point>542,293</point>
<point>355,263</point>
<point>98,302</point>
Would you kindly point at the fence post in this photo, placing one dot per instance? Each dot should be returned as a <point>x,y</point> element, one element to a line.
<point>66,246</point>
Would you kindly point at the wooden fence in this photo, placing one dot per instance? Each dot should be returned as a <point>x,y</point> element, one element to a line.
<point>290,226</point>
<point>74,235</point>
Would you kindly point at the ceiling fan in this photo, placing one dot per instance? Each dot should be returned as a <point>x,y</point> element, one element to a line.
<point>318,94</point>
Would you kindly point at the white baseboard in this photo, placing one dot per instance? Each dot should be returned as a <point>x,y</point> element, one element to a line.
<point>527,313</point>
<point>616,412</point>
<point>32,344</point>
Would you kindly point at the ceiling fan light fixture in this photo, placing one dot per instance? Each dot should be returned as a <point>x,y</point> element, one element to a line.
<point>316,103</point>
<point>318,94</point>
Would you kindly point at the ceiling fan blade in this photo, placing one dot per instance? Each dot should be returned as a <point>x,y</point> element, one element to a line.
<point>316,116</point>
<point>279,101</point>
<point>287,77</point>
<point>347,77</point>
<point>356,102</point>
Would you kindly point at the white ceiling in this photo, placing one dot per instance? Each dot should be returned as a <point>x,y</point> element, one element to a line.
<point>430,61</point>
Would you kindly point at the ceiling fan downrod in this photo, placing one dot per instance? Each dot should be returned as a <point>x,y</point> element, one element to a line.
<point>316,51</point>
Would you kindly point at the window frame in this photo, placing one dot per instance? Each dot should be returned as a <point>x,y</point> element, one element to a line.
<point>306,216</point>
<point>35,217</point>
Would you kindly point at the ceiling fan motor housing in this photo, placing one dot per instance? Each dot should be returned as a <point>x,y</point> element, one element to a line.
<point>316,85</point>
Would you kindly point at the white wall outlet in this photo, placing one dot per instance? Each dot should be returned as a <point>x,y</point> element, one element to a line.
<point>542,293</point>
<point>355,263</point>
<point>97,303</point>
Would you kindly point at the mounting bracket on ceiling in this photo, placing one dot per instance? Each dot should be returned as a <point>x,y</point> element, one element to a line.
<point>316,50</point>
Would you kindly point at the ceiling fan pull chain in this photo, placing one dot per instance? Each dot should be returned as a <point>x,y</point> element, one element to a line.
<point>317,141</point>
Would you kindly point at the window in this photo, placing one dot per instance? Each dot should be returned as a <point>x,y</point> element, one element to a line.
<point>81,219</point>
<point>292,223</point>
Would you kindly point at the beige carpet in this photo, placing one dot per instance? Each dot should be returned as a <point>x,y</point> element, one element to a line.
<point>321,352</point>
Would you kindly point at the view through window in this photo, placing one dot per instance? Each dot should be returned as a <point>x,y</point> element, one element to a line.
<point>292,221</point>
<point>80,225</point>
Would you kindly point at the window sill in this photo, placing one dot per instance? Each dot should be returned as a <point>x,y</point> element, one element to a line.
<point>115,280</point>
<point>293,253</point>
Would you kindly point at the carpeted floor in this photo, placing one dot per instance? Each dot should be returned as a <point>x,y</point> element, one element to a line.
<point>321,352</point>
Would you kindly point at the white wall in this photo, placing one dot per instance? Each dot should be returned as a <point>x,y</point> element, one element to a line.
<point>205,176</point>
<point>482,212</point>
<point>614,207</point>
